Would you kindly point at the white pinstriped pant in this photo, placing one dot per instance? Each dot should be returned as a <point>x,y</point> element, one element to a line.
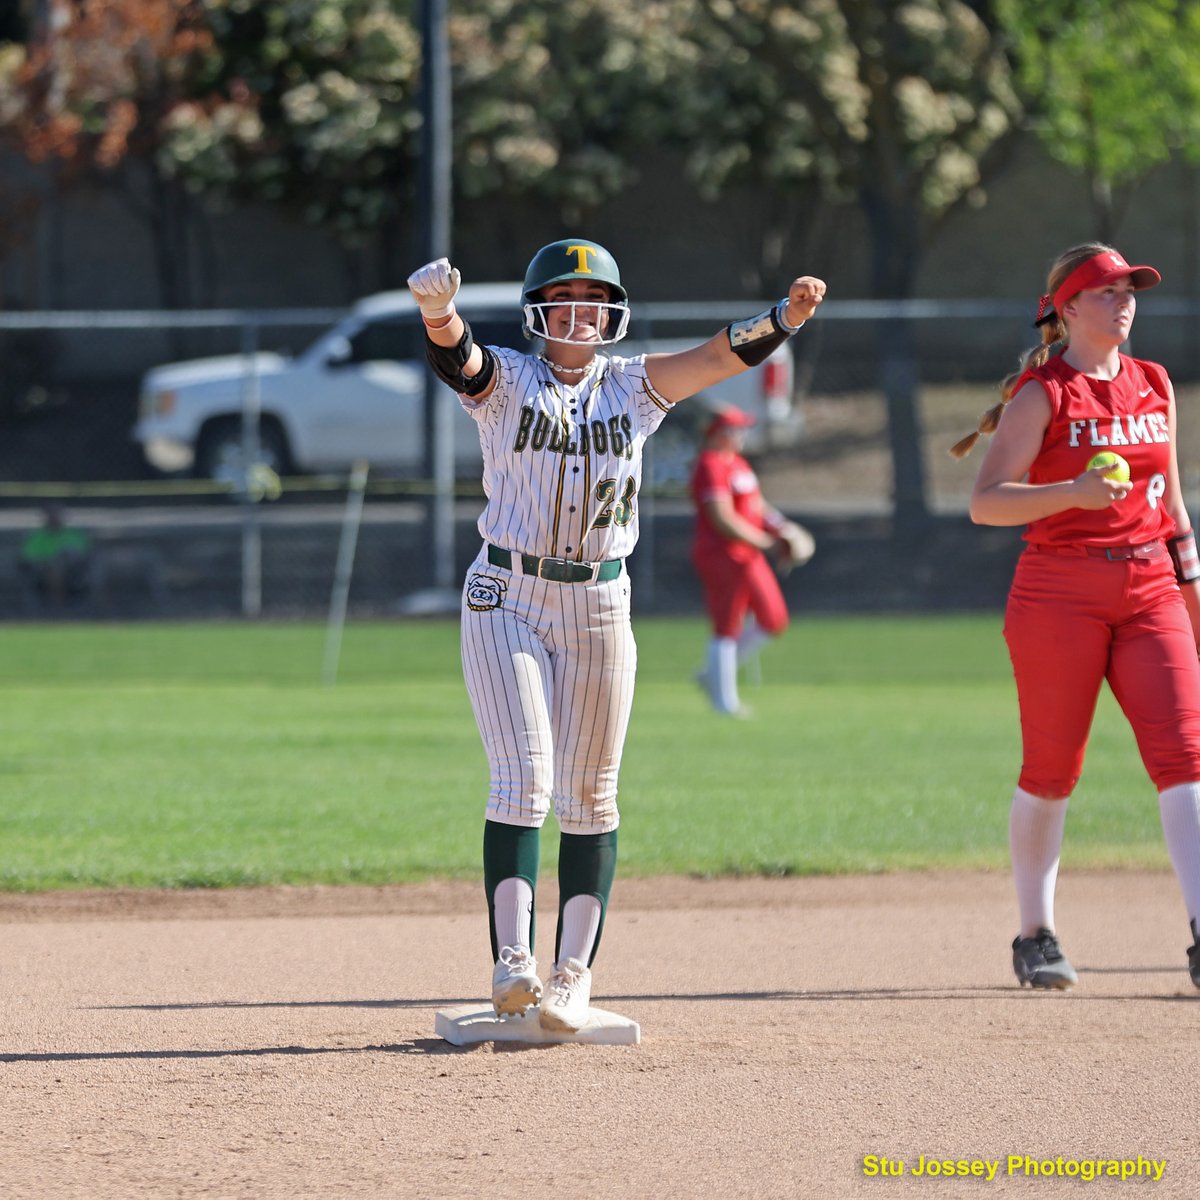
<point>550,671</point>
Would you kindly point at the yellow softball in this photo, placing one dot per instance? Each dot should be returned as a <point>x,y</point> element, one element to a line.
<point>1118,467</point>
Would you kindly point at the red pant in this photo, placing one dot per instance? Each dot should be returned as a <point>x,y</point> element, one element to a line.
<point>731,589</point>
<point>1074,621</point>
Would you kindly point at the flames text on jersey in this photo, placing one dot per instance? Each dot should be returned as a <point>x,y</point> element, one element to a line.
<point>1131,429</point>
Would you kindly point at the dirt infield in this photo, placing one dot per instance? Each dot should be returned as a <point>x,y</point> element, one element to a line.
<point>280,1043</point>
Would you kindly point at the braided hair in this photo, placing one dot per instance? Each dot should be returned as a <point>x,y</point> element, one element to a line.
<point>1054,333</point>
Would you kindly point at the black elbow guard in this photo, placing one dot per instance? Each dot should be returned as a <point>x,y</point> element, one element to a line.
<point>472,385</point>
<point>447,363</point>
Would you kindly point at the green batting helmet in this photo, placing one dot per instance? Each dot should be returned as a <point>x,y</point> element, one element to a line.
<point>572,258</point>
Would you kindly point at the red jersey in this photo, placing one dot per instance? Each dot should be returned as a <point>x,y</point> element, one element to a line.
<point>720,474</point>
<point>1128,415</point>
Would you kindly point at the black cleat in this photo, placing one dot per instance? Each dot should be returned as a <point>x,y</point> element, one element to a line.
<point>1194,956</point>
<point>1040,962</point>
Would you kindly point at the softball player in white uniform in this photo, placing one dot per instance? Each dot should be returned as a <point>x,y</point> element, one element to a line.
<point>547,647</point>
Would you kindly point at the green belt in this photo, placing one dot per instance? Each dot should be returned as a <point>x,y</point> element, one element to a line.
<point>558,570</point>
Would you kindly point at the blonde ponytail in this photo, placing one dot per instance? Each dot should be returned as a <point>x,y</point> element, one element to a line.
<point>1053,332</point>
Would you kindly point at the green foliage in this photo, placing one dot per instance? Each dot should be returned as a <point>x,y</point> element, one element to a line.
<point>901,99</point>
<point>1113,89</point>
<point>308,102</point>
<point>555,95</point>
<point>174,755</point>
<point>316,103</point>
<point>892,107</point>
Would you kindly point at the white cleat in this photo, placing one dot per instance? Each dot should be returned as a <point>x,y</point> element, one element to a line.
<point>568,997</point>
<point>709,687</point>
<point>516,987</point>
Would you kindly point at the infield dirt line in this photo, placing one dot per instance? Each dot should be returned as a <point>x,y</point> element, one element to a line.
<point>279,1042</point>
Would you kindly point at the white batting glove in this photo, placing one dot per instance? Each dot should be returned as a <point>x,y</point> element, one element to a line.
<point>434,287</point>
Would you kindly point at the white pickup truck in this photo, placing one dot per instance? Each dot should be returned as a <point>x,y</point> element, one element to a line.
<point>358,393</point>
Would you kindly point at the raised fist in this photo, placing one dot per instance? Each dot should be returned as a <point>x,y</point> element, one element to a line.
<point>803,297</point>
<point>434,287</point>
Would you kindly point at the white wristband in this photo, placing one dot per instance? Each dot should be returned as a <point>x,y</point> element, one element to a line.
<point>780,309</point>
<point>1184,557</point>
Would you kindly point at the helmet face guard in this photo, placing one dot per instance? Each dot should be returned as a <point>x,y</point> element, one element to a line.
<point>613,325</point>
<point>574,258</point>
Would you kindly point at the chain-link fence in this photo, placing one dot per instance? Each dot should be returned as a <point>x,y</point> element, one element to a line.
<point>185,517</point>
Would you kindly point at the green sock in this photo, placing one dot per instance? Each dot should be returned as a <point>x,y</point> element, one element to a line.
<point>587,863</point>
<point>509,851</point>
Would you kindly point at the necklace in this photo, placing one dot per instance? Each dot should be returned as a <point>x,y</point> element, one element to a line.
<point>567,370</point>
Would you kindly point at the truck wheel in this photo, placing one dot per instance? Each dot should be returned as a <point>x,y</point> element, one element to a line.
<point>219,449</point>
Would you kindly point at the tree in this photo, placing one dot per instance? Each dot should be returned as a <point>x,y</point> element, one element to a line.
<point>17,206</point>
<point>1113,90</point>
<point>308,104</point>
<point>551,99</point>
<point>894,107</point>
<point>558,96</point>
<point>89,96</point>
<point>311,105</point>
<point>303,103</point>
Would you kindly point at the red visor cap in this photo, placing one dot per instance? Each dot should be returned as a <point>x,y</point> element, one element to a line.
<point>730,418</point>
<point>1099,270</point>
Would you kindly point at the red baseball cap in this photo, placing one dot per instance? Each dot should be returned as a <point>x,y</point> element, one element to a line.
<point>730,416</point>
<point>1099,270</point>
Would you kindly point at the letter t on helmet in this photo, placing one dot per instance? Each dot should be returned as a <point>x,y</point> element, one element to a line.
<point>574,258</point>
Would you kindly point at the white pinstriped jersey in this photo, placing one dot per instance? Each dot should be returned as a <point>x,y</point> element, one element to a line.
<point>562,463</point>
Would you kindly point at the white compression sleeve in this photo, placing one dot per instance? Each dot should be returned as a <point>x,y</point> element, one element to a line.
<point>580,925</point>
<point>1179,807</point>
<point>513,904</point>
<point>1035,833</point>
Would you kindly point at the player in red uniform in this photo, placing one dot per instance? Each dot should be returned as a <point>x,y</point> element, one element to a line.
<point>734,529</point>
<point>1106,588</point>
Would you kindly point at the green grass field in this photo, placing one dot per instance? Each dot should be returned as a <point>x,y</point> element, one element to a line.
<point>211,755</point>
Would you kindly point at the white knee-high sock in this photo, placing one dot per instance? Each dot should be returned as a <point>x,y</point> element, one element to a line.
<point>580,924</point>
<point>752,640</point>
<point>1179,807</point>
<point>513,905</point>
<point>722,673</point>
<point>1035,833</point>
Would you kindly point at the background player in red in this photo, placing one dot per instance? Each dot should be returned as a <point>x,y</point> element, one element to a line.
<point>735,528</point>
<point>1107,585</point>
